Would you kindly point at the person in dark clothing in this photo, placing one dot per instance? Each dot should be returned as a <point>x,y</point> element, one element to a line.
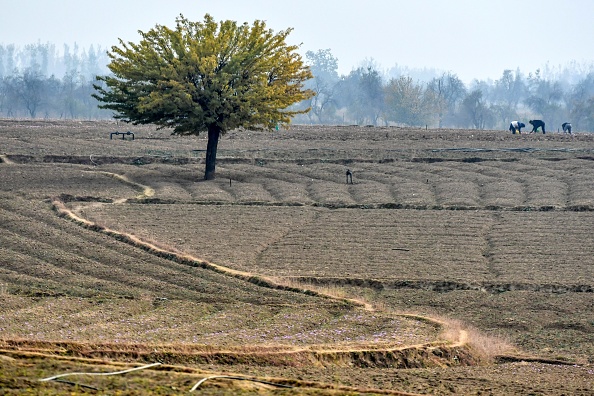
<point>566,127</point>
<point>537,124</point>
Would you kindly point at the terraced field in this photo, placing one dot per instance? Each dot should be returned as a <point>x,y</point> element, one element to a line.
<point>279,266</point>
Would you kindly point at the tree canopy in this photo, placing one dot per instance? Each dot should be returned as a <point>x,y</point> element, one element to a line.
<point>206,77</point>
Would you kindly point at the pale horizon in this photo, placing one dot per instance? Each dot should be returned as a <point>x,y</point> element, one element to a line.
<point>473,39</point>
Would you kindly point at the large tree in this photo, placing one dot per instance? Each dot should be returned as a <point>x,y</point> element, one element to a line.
<point>206,77</point>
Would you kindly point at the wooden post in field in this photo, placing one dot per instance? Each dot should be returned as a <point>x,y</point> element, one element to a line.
<point>349,176</point>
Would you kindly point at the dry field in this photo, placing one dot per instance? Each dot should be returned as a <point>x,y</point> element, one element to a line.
<point>458,262</point>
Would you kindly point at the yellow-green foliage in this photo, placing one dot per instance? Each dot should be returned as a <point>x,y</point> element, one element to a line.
<point>204,76</point>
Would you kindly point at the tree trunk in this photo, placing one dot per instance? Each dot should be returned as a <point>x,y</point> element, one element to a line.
<point>211,152</point>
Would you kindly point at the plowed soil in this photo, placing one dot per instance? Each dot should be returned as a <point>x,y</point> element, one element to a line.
<point>279,269</point>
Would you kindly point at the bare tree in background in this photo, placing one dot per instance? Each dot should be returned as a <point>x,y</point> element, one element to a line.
<point>30,90</point>
<point>475,110</point>
<point>361,95</point>
<point>546,98</point>
<point>405,102</point>
<point>581,105</point>
<point>324,67</point>
<point>447,91</point>
<point>371,95</point>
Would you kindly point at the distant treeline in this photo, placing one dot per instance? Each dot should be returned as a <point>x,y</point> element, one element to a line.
<point>427,97</point>
<point>40,81</point>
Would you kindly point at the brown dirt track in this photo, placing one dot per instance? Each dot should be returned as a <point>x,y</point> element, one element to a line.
<point>481,226</point>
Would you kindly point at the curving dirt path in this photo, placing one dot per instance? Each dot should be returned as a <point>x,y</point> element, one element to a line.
<point>145,191</point>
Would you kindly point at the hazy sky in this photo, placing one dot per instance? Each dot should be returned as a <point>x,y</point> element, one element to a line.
<point>472,38</point>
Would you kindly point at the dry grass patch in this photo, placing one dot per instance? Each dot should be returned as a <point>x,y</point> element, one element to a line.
<point>487,346</point>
